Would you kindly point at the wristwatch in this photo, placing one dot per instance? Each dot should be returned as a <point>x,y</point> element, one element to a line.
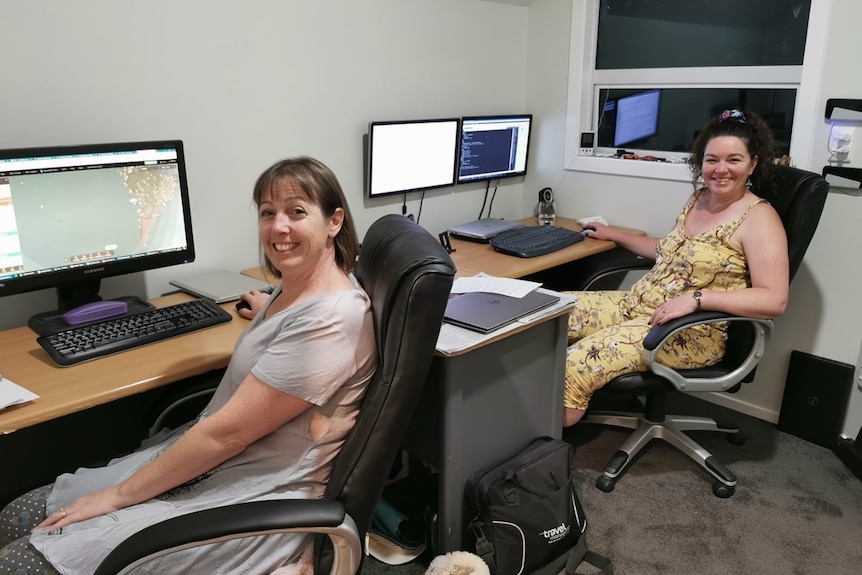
<point>697,295</point>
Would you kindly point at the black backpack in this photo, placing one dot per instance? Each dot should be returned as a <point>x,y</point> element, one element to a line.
<point>526,515</point>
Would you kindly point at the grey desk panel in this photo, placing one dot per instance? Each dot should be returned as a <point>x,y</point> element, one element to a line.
<point>481,407</point>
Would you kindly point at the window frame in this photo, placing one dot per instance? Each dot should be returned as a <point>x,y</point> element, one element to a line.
<point>585,82</point>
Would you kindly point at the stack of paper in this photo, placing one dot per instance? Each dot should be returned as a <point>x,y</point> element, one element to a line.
<point>13,394</point>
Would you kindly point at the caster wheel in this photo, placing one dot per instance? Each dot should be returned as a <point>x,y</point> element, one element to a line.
<point>605,484</point>
<point>737,438</point>
<point>721,490</point>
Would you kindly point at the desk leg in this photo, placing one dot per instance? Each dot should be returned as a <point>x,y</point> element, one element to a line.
<point>483,406</point>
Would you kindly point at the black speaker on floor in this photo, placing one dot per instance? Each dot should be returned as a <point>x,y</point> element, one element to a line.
<point>815,398</point>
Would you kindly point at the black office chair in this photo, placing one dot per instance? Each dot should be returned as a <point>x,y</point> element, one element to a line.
<point>408,276</point>
<point>799,200</point>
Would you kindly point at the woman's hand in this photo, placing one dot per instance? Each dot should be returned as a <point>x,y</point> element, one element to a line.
<point>677,307</point>
<point>87,507</point>
<point>255,300</point>
<point>599,231</point>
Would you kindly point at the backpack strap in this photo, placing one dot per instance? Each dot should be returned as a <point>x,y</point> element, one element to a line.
<point>579,554</point>
<point>484,549</point>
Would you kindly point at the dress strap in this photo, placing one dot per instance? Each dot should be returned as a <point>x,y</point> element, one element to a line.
<point>730,227</point>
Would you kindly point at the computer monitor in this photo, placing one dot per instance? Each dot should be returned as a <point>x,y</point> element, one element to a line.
<point>412,155</point>
<point>494,147</point>
<point>637,117</point>
<point>70,216</point>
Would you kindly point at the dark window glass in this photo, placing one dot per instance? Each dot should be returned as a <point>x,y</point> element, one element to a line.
<point>701,33</point>
<point>668,119</point>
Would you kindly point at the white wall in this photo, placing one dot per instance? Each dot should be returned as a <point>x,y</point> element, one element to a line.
<point>247,83</point>
<point>823,316</point>
<point>833,255</point>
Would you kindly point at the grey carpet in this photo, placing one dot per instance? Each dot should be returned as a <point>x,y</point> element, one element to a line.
<point>797,509</point>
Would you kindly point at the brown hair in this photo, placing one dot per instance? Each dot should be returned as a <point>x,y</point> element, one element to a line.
<point>323,188</point>
<point>758,139</point>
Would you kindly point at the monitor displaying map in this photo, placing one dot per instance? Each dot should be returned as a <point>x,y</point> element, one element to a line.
<point>71,215</point>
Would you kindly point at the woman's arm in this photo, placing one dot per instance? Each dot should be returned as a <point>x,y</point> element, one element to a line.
<point>640,245</point>
<point>764,244</point>
<point>255,410</point>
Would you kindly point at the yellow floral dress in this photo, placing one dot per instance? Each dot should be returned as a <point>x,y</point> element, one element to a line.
<point>607,328</point>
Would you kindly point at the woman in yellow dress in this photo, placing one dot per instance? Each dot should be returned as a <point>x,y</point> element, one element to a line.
<point>727,252</point>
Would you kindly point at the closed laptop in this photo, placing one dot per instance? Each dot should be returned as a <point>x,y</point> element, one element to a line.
<point>484,229</point>
<point>486,312</point>
<point>220,286</point>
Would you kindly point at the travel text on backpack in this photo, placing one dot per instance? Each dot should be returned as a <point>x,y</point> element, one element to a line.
<point>527,517</point>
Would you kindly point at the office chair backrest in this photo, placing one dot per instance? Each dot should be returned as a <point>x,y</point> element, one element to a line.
<point>799,197</point>
<point>408,276</point>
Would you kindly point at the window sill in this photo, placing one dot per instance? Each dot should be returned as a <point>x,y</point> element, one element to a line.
<point>634,168</point>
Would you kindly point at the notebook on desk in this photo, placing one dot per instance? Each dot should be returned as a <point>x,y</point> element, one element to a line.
<point>486,312</point>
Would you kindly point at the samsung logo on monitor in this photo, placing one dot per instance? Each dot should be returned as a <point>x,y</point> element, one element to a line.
<point>94,270</point>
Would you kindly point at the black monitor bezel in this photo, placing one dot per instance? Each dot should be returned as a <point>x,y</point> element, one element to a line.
<point>502,117</point>
<point>88,274</point>
<point>370,162</point>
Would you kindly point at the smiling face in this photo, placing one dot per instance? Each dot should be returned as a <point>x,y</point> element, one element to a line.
<point>727,164</point>
<point>296,236</point>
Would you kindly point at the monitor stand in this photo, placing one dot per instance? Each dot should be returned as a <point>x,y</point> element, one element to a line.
<point>72,296</point>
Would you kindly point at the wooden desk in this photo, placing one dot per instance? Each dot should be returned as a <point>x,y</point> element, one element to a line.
<point>66,390</point>
<point>471,258</point>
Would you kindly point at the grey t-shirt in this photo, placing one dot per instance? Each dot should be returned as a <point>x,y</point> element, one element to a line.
<point>321,350</point>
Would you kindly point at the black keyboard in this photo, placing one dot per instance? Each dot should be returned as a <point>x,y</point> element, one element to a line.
<point>113,335</point>
<point>532,241</point>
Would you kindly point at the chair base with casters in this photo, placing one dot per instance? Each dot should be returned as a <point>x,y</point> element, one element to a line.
<point>653,423</point>
<point>799,199</point>
<point>655,384</point>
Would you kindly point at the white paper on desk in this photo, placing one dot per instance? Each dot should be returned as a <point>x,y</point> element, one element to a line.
<point>453,339</point>
<point>490,284</point>
<point>13,394</point>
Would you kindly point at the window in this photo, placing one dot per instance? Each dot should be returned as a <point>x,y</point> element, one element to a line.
<point>651,73</point>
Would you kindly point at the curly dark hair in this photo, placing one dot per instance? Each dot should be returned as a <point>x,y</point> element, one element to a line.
<point>758,139</point>
<point>323,188</point>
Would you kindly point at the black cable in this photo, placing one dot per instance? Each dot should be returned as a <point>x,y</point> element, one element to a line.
<point>494,195</point>
<point>421,199</point>
<point>404,206</point>
<point>485,199</point>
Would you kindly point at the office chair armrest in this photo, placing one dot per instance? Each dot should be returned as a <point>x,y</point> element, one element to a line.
<point>238,521</point>
<point>594,272</point>
<point>660,334</point>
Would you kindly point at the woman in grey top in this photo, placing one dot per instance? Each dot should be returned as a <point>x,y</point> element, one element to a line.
<point>273,427</point>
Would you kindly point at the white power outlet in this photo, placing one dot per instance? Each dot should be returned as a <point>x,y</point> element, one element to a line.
<point>840,140</point>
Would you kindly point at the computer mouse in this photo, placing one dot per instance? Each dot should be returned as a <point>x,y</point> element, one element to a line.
<point>242,304</point>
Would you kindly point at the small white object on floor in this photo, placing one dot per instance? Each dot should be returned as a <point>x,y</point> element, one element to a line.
<point>457,563</point>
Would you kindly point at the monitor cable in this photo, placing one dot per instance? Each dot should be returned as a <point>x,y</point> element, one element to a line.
<point>421,200</point>
<point>493,195</point>
<point>485,199</point>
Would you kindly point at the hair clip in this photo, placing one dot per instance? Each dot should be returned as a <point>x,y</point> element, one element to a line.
<point>732,116</point>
